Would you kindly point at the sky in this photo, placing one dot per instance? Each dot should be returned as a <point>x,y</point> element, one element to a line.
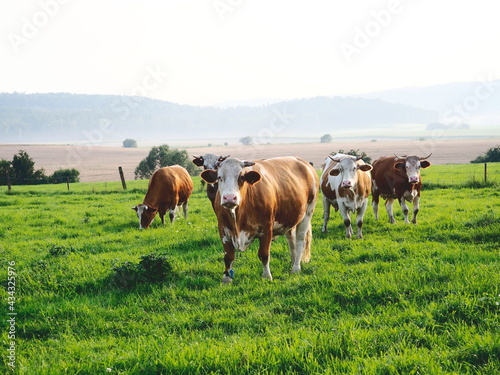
<point>206,52</point>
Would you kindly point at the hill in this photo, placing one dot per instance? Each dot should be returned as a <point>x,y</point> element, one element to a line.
<point>63,117</point>
<point>466,102</point>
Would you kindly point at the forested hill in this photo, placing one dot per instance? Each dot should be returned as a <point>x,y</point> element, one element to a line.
<point>62,117</point>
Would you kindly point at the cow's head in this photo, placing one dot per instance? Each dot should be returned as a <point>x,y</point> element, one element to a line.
<point>146,215</point>
<point>231,175</point>
<point>411,165</point>
<point>346,168</point>
<point>209,161</point>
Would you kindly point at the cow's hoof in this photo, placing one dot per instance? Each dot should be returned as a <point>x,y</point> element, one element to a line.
<point>227,280</point>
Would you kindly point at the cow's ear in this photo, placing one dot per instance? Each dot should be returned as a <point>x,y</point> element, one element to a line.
<point>334,172</point>
<point>198,160</point>
<point>425,164</point>
<point>252,177</point>
<point>134,208</point>
<point>365,167</point>
<point>209,175</point>
<point>400,166</point>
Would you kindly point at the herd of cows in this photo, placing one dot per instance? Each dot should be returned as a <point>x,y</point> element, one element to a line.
<point>271,197</point>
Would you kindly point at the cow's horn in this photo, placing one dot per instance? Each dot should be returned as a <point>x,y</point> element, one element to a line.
<point>360,156</point>
<point>400,157</point>
<point>427,157</point>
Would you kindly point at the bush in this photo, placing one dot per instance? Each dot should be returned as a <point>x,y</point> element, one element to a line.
<point>491,156</point>
<point>63,175</point>
<point>356,153</point>
<point>152,268</point>
<point>21,170</point>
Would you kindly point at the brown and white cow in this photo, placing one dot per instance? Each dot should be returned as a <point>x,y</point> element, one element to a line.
<point>398,178</point>
<point>264,199</point>
<point>209,161</point>
<point>346,185</point>
<point>169,187</point>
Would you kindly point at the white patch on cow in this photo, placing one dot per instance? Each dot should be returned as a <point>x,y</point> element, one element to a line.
<point>226,238</point>
<point>279,229</point>
<point>410,195</point>
<point>242,241</point>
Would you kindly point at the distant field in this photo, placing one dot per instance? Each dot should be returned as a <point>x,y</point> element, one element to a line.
<point>408,299</point>
<point>98,163</point>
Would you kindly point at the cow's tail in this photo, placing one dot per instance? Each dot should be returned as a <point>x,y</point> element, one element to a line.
<point>306,254</point>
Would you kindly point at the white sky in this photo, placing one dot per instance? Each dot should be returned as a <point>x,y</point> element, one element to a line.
<point>191,53</point>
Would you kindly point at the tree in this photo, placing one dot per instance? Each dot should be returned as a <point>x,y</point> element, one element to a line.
<point>163,156</point>
<point>491,156</point>
<point>23,170</point>
<point>247,141</point>
<point>5,171</point>
<point>130,143</point>
<point>327,138</point>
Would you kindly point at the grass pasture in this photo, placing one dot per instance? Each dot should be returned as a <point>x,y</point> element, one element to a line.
<point>407,299</point>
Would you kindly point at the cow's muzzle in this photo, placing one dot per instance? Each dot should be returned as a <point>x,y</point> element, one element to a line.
<point>413,179</point>
<point>229,201</point>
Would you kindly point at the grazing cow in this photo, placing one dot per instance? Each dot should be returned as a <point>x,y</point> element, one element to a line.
<point>398,178</point>
<point>209,161</point>
<point>346,185</point>
<point>264,199</point>
<point>168,188</point>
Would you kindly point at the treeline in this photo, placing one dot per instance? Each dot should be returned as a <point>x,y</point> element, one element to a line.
<point>71,117</point>
<point>21,171</point>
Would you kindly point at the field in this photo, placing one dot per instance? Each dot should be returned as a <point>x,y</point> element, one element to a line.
<point>407,299</point>
<point>100,163</point>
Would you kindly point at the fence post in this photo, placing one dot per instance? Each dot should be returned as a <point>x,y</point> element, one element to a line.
<point>485,172</point>
<point>122,177</point>
<point>67,181</point>
<point>9,185</point>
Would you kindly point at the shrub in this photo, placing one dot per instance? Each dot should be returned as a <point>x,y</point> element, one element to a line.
<point>62,175</point>
<point>490,156</point>
<point>151,269</point>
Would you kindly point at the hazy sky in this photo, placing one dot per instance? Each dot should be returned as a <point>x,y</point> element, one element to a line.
<point>203,52</point>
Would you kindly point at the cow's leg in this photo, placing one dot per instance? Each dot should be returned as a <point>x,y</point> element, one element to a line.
<point>347,220</point>
<point>264,253</point>
<point>185,209</point>
<point>291,236</point>
<point>326,213</point>
<point>303,239</point>
<point>416,206</point>
<point>171,215</point>
<point>162,217</point>
<point>360,213</point>
<point>388,206</point>
<point>375,201</point>
<point>404,208</point>
<point>228,262</point>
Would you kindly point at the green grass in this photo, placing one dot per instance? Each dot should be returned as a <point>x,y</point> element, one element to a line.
<point>408,299</point>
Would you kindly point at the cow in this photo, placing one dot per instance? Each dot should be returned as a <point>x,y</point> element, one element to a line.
<point>398,178</point>
<point>263,199</point>
<point>209,161</point>
<point>346,185</point>
<point>168,188</point>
